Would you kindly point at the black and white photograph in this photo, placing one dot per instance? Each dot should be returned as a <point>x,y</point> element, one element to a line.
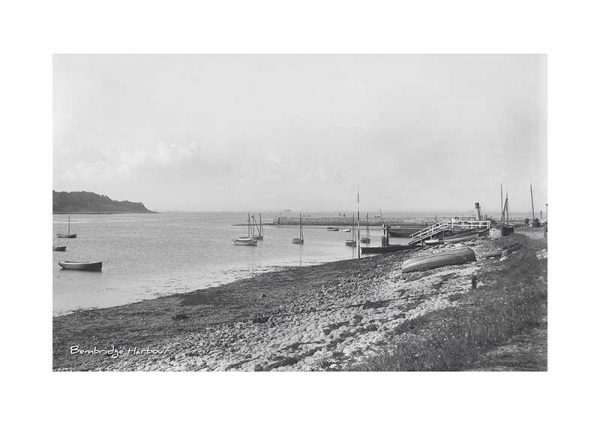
<point>299,212</point>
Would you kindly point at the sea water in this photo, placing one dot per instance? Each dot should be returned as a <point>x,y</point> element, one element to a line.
<point>148,255</point>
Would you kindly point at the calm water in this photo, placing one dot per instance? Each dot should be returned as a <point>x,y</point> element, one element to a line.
<point>148,255</point>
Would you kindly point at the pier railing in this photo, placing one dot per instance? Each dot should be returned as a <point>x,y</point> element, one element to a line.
<point>439,227</point>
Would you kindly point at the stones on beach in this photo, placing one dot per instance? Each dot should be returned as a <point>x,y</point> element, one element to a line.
<point>331,323</point>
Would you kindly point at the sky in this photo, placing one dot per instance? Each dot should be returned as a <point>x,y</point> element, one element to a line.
<point>427,133</point>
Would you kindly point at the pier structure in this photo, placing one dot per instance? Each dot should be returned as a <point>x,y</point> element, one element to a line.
<point>437,228</point>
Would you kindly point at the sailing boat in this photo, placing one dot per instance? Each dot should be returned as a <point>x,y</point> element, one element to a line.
<point>247,240</point>
<point>259,228</point>
<point>68,235</point>
<point>367,239</point>
<point>300,240</point>
<point>351,242</point>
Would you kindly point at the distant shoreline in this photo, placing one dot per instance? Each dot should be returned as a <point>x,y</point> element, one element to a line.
<point>107,212</point>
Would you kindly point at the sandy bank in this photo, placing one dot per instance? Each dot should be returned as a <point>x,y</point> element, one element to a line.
<point>326,317</point>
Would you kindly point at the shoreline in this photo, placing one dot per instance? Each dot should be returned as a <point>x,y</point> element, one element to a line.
<point>107,212</point>
<point>331,316</point>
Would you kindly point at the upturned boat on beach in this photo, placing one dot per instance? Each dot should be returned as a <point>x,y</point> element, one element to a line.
<point>81,265</point>
<point>448,258</point>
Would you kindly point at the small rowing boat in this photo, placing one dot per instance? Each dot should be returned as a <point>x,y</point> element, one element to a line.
<point>448,258</point>
<point>81,265</point>
<point>333,229</point>
<point>59,248</point>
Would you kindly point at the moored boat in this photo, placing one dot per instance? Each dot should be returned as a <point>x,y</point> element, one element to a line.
<point>59,248</point>
<point>367,239</point>
<point>247,240</point>
<point>299,240</point>
<point>448,258</point>
<point>346,230</point>
<point>333,229</point>
<point>81,265</point>
<point>386,249</point>
<point>67,235</point>
<point>352,241</point>
<point>259,228</point>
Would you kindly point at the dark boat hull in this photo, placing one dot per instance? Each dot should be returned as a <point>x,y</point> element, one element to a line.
<point>59,248</point>
<point>66,236</point>
<point>385,249</point>
<point>85,267</point>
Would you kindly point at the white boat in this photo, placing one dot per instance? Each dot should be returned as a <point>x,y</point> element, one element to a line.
<point>346,230</point>
<point>299,240</point>
<point>247,240</point>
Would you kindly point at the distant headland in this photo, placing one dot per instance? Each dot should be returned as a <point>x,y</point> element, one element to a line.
<point>92,203</point>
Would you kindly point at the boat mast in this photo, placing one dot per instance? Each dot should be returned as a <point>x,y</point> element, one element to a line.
<point>368,231</point>
<point>532,209</point>
<point>501,203</point>
<point>507,218</point>
<point>358,214</point>
<point>260,231</point>
<point>248,224</point>
<point>301,235</point>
